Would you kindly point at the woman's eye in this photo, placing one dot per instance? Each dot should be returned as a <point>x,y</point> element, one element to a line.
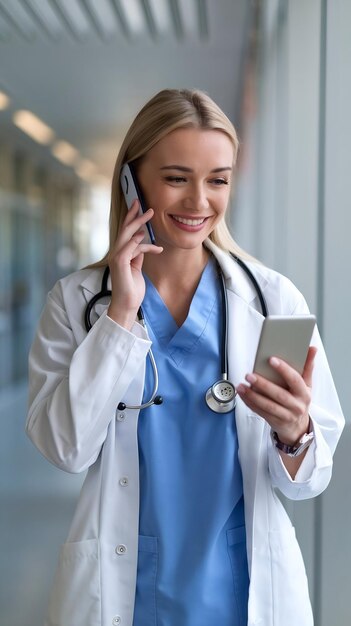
<point>220,181</point>
<point>175,179</point>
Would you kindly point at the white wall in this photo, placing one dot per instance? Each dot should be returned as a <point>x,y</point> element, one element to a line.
<point>293,212</point>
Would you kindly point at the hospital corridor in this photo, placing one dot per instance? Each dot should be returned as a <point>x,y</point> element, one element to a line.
<point>73,76</point>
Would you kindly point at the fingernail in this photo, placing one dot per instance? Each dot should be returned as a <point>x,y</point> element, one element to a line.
<point>274,361</point>
<point>251,378</point>
<point>241,389</point>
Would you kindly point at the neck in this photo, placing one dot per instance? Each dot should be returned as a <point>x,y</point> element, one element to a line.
<point>176,267</point>
<point>176,274</point>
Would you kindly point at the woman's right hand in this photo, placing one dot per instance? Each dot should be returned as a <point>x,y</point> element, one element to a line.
<point>125,261</point>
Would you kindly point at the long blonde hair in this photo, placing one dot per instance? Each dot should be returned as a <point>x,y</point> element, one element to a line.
<point>166,111</point>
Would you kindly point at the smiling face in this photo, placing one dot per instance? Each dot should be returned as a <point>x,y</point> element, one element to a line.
<point>186,180</point>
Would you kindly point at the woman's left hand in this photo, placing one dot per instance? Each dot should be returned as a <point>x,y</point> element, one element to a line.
<point>285,409</point>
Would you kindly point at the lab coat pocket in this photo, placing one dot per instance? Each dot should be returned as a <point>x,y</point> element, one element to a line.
<point>145,597</point>
<point>289,581</point>
<point>236,542</point>
<point>76,598</point>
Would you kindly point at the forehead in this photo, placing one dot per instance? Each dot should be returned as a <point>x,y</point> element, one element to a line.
<point>187,145</point>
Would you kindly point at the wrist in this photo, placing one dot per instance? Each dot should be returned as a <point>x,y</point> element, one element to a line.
<point>291,438</point>
<point>122,318</point>
<point>299,445</point>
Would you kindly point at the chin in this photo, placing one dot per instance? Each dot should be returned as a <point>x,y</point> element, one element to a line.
<point>182,245</point>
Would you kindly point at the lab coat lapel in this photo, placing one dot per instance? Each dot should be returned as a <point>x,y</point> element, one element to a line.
<point>90,286</point>
<point>244,326</point>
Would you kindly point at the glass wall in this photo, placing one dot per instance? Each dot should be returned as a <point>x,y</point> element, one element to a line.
<point>42,237</point>
<point>293,213</point>
<point>39,242</point>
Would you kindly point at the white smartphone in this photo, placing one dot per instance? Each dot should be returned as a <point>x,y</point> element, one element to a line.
<point>131,192</point>
<point>287,337</point>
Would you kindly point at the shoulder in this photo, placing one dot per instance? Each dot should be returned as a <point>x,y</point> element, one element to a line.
<point>75,286</point>
<point>283,297</point>
<point>270,276</point>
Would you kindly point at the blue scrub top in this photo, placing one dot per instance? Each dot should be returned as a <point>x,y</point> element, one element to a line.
<point>192,564</point>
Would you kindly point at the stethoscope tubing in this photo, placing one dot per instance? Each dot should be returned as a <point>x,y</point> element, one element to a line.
<point>222,386</point>
<point>103,293</point>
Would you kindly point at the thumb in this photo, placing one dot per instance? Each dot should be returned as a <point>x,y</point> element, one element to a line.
<point>309,365</point>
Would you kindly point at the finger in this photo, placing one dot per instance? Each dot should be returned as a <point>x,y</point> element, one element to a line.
<point>290,375</point>
<point>138,261</point>
<point>131,227</point>
<point>309,365</point>
<point>274,393</point>
<point>289,424</point>
<point>138,254</point>
<point>132,212</point>
<point>145,248</point>
<point>263,405</point>
<point>134,208</point>
<point>276,401</point>
<point>123,254</point>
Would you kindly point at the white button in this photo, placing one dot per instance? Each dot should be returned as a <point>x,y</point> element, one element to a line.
<point>116,620</point>
<point>121,549</point>
<point>121,417</point>
<point>124,481</point>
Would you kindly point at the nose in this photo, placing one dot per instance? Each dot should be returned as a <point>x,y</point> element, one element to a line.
<point>196,198</point>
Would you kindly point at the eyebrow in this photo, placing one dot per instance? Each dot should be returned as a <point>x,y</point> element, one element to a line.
<point>182,168</point>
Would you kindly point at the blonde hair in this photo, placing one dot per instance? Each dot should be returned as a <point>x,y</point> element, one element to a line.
<point>167,111</point>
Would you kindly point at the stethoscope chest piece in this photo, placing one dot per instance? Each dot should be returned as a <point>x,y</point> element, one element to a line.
<point>221,397</point>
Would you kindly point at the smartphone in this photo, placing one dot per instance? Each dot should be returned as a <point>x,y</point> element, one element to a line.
<point>131,192</point>
<point>287,337</point>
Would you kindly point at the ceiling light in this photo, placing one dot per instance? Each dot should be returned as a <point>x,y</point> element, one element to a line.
<point>33,126</point>
<point>134,15</point>
<point>161,14</point>
<point>65,152</point>
<point>189,16</point>
<point>4,101</point>
<point>86,169</point>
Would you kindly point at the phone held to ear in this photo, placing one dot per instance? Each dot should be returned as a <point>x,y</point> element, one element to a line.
<point>286,337</point>
<point>131,192</point>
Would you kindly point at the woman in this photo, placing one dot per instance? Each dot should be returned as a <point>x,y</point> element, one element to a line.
<point>178,522</point>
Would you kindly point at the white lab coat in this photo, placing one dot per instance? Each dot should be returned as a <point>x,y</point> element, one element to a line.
<point>76,383</point>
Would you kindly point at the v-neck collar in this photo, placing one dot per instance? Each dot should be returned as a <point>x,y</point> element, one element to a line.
<point>162,325</point>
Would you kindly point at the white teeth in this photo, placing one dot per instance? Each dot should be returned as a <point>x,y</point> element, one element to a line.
<point>182,220</point>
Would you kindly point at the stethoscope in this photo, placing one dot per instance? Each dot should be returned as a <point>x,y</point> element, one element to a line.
<point>221,396</point>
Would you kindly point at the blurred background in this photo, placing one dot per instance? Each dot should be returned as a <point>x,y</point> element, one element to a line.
<point>73,74</point>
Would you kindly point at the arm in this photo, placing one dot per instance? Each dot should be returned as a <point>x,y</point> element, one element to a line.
<point>312,394</point>
<point>315,470</point>
<point>74,390</point>
<point>287,412</point>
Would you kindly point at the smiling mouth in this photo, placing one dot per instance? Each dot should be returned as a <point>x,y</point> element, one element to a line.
<point>189,222</point>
